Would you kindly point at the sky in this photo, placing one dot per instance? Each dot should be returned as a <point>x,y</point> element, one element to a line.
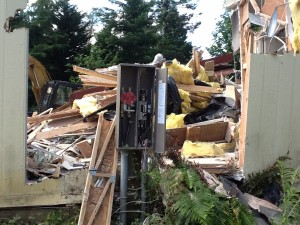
<point>201,37</point>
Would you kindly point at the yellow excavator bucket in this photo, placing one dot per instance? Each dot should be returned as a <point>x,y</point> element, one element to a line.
<point>38,76</point>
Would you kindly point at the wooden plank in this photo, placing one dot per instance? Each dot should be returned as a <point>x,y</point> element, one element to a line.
<point>87,78</point>
<point>56,115</point>
<point>64,130</point>
<point>245,58</point>
<point>102,93</point>
<point>98,207</point>
<point>244,13</point>
<point>109,200</point>
<point>104,146</point>
<point>196,62</point>
<point>207,133</point>
<point>99,202</point>
<point>97,84</point>
<point>198,98</point>
<point>32,135</point>
<point>195,88</point>
<point>91,166</point>
<point>104,214</point>
<point>255,6</point>
<point>175,137</point>
<point>94,73</point>
<point>107,101</point>
<point>85,148</point>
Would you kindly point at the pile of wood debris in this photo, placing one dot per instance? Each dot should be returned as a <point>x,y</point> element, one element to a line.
<point>61,140</point>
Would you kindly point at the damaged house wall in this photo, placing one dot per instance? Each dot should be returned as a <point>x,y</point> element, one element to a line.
<point>269,123</point>
<point>13,104</point>
<point>273,124</point>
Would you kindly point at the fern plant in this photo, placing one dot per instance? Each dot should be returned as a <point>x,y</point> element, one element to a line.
<point>190,201</point>
<point>291,199</point>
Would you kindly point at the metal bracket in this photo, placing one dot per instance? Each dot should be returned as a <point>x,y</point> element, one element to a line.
<point>112,179</point>
<point>93,171</point>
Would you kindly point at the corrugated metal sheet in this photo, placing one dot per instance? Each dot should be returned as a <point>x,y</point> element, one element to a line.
<point>13,110</point>
<point>273,121</point>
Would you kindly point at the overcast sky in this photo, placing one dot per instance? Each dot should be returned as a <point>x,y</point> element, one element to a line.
<point>210,9</point>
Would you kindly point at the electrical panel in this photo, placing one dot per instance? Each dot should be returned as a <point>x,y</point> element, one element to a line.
<point>140,114</point>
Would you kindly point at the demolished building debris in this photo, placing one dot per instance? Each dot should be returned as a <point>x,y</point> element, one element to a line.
<point>226,129</point>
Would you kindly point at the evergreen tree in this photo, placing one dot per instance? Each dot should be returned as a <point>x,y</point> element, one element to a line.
<point>173,28</point>
<point>58,34</point>
<point>127,35</point>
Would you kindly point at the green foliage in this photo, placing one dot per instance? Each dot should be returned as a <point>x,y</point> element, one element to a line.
<point>58,33</point>
<point>127,35</point>
<point>173,27</point>
<point>222,36</point>
<point>59,218</point>
<point>256,182</point>
<point>189,201</point>
<point>291,200</point>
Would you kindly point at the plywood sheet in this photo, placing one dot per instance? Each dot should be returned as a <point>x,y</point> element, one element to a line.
<point>207,133</point>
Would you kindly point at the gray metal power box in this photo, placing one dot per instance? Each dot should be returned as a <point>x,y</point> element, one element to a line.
<point>141,107</point>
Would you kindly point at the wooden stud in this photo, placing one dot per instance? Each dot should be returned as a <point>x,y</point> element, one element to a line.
<point>64,130</point>
<point>91,166</point>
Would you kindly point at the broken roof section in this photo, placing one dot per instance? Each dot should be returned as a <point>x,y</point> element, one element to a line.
<point>269,21</point>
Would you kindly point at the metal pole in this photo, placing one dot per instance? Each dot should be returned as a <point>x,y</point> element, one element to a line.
<point>143,184</point>
<point>123,186</point>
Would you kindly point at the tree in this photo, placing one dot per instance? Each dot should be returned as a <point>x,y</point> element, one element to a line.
<point>127,35</point>
<point>222,36</point>
<point>57,35</point>
<point>173,27</point>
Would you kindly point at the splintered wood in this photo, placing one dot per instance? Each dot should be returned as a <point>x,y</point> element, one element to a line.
<point>101,77</point>
<point>61,141</point>
<point>96,207</point>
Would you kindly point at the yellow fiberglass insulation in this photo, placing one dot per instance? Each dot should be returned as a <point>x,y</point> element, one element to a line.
<point>202,75</point>
<point>181,74</point>
<point>186,104</point>
<point>200,105</point>
<point>200,149</point>
<point>227,147</point>
<point>86,105</point>
<point>295,7</point>
<point>175,121</point>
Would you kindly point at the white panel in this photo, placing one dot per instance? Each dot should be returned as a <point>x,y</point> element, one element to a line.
<point>273,124</point>
<point>13,110</point>
<point>12,126</point>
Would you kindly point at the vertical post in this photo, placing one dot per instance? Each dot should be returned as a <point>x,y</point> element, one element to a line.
<point>143,184</point>
<point>123,186</point>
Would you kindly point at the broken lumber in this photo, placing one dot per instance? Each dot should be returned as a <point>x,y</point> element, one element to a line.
<point>85,148</point>
<point>64,130</point>
<point>56,115</point>
<point>207,133</point>
<point>195,88</point>
<point>94,73</point>
<point>97,81</point>
<point>97,201</point>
